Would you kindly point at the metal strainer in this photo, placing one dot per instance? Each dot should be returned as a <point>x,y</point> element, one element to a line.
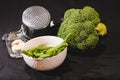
<point>36,17</point>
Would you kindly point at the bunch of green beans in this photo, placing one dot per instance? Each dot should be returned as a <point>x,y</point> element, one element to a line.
<point>43,51</point>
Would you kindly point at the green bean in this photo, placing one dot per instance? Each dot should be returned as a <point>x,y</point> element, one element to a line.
<point>59,48</point>
<point>43,55</point>
<point>26,52</point>
<point>55,50</point>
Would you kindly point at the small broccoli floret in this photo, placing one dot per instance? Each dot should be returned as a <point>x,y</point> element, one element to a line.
<point>74,15</point>
<point>81,24</point>
<point>88,27</point>
<point>90,14</point>
<point>83,35</point>
<point>82,46</point>
<point>92,40</point>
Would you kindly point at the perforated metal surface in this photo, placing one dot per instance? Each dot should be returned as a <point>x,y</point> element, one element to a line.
<point>36,17</point>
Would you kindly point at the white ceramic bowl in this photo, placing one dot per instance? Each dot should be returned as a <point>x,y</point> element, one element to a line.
<point>46,63</point>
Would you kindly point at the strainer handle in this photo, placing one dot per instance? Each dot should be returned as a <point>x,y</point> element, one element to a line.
<point>23,29</point>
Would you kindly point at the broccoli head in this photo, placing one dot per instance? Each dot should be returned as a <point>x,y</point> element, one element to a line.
<point>81,23</point>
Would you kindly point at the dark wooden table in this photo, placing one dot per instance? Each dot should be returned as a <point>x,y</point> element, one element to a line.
<point>103,64</point>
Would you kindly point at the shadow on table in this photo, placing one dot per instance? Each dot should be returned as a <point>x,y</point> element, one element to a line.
<point>1,65</point>
<point>100,48</point>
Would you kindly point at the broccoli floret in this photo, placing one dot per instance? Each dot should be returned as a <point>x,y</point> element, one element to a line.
<point>88,26</point>
<point>74,15</point>
<point>81,24</point>
<point>83,35</point>
<point>90,14</point>
<point>92,40</point>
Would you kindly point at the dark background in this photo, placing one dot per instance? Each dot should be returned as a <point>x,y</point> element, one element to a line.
<point>103,63</point>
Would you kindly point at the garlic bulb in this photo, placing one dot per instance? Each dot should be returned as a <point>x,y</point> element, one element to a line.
<point>17,45</point>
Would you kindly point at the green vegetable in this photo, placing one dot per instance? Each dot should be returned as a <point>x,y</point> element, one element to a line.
<point>81,23</point>
<point>37,51</point>
<point>57,49</point>
<point>44,51</point>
